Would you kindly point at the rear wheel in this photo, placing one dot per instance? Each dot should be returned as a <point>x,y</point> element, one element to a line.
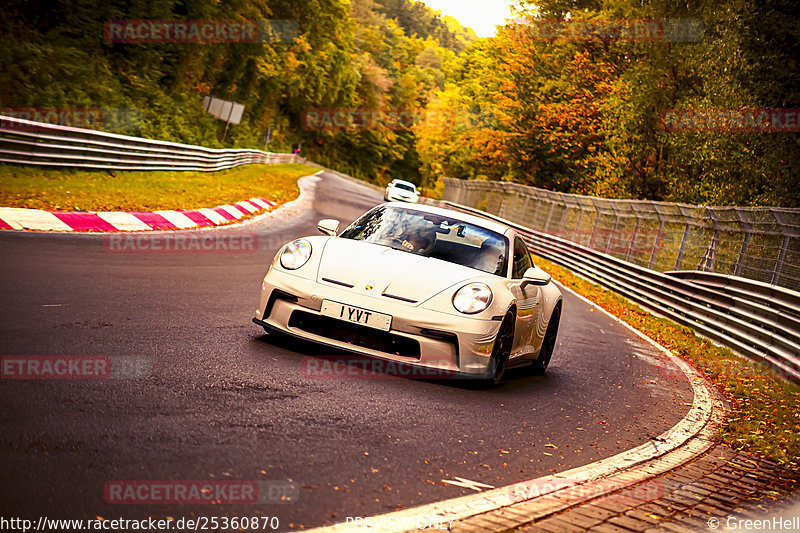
<point>502,348</point>
<point>540,365</point>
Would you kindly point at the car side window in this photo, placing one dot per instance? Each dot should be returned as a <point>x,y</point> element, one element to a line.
<point>522,259</point>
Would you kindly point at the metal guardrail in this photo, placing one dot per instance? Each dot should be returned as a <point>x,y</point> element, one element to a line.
<point>37,143</point>
<point>755,319</point>
<point>759,243</point>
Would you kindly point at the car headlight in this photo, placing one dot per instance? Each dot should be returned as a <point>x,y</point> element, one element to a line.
<point>296,254</point>
<point>472,298</point>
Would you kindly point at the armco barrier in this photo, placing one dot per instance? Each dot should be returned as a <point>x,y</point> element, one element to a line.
<point>37,143</point>
<point>755,319</point>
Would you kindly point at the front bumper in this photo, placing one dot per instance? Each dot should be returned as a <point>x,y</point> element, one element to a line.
<point>418,336</point>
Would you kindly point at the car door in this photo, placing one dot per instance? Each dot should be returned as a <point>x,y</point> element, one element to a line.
<point>527,301</point>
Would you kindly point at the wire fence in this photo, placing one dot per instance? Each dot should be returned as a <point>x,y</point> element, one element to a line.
<point>759,243</point>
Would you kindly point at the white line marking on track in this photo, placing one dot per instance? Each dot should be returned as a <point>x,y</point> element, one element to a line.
<point>467,484</point>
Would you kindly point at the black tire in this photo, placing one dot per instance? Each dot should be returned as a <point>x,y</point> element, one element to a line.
<point>502,349</point>
<point>541,363</point>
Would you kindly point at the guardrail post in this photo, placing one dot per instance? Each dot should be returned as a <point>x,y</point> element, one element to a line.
<point>594,228</point>
<point>633,238</point>
<point>743,251</point>
<point>787,236</point>
<point>549,216</point>
<point>522,209</point>
<point>660,233</point>
<point>776,274</point>
<point>578,225</point>
<point>562,231</point>
<point>679,259</point>
<point>613,234</point>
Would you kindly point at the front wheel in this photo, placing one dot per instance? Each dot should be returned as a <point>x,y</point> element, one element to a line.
<point>502,349</point>
<point>539,365</point>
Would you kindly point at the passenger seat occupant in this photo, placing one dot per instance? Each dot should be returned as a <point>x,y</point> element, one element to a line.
<point>489,259</point>
<point>421,242</point>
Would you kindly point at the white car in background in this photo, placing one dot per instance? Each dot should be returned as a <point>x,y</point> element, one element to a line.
<point>401,191</point>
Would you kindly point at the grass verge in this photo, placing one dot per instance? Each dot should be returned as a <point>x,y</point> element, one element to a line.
<point>79,190</point>
<point>765,410</point>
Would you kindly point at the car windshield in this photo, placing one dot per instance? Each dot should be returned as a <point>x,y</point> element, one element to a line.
<point>405,186</point>
<point>433,235</point>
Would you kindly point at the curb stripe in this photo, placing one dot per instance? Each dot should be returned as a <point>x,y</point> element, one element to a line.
<point>176,219</point>
<point>247,205</point>
<point>224,214</point>
<point>123,221</point>
<point>213,216</point>
<point>198,218</point>
<point>18,218</point>
<point>260,202</point>
<point>235,210</point>
<point>33,219</point>
<point>154,220</point>
<point>14,218</point>
<point>83,221</point>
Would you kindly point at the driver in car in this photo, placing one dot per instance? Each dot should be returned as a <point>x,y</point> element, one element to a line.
<point>420,242</point>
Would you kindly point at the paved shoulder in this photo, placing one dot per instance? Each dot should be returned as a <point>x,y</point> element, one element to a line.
<point>722,489</point>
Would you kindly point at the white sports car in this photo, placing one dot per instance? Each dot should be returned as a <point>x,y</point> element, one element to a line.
<point>418,285</point>
<point>402,191</point>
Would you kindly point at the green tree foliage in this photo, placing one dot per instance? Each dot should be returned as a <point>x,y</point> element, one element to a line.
<point>418,20</point>
<point>570,115</point>
<point>345,55</point>
<point>585,116</point>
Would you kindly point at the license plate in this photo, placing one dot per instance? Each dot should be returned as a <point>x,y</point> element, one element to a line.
<point>356,315</point>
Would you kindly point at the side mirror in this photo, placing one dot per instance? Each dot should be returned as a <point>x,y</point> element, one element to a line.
<point>535,276</point>
<point>328,226</point>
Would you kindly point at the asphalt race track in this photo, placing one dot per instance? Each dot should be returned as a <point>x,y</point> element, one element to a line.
<point>221,400</point>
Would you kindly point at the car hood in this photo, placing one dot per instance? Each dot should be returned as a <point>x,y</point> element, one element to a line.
<point>403,275</point>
